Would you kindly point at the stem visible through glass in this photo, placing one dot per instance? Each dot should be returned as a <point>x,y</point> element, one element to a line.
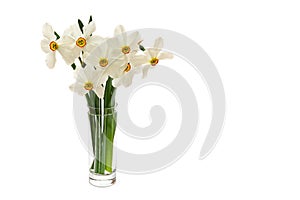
<point>103,125</point>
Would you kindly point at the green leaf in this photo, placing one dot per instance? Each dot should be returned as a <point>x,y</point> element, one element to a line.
<point>110,128</point>
<point>90,20</point>
<point>80,60</point>
<point>142,47</point>
<point>57,36</point>
<point>80,25</point>
<point>73,66</point>
<point>109,94</point>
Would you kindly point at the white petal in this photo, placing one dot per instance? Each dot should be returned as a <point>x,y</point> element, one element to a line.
<point>69,31</point>
<point>164,55</point>
<point>67,40</point>
<point>78,88</point>
<point>81,75</point>
<point>50,60</point>
<point>119,30</point>
<point>115,68</point>
<point>89,29</point>
<point>113,43</point>
<point>94,57</point>
<point>120,35</point>
<point>90,72</point>
<point>45,46</point>
<point>148,54</point>
<point>139,60</point>
<point>88,49</point>
<point>106,50</point>
<point>95,76</point>
<point>68,49</point>
<point>116,82</point>
<point>76,51</point>
<point>153,52</point>
<point>133,39</point>
<point>92,43</point>
<point>116,52</point>
<point>145,70</point>
<point>96,39</point>
<point>158,44</point>
<point>99,91</point>
<point>92,60</point>
<point>48,32</point>
<point>102,78</point>
<point>67,55</point>
<point>76,72</point>
<point>73,31</point>
<point>126,79</point>
<point>76,31</point>
<point>137,70</point>
<point>115,71</point>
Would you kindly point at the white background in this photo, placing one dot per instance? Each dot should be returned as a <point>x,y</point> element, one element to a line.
<point>255,46</point>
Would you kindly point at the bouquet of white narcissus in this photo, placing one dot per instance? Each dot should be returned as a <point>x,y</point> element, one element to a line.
<point>119,58</point>
<point>101,65</point>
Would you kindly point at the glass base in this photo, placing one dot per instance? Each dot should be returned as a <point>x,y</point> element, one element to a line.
<point>100,180</point>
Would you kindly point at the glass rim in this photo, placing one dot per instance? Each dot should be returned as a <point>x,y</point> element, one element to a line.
<point>112,107</point>
<point>106,111</point>
<point>105,114</point>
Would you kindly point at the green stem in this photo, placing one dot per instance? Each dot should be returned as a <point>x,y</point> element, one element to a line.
<point>109,123</point>
<point>110,127</point>
<point>96,132</point>
<point>103,126</point>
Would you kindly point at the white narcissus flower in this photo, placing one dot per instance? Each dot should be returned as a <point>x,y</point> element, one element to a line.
<point>104,58</point>
<point>131,66</point>
<point>154,55</point>
<point>83,42</point>
<point>123,43</point>
<point>50,45</point>
<point>89,78</point>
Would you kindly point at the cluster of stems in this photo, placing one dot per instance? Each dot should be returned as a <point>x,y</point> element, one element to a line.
<point>102,117</point>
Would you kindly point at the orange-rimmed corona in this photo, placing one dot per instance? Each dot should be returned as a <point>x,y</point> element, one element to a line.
<point>103,62</point>
<point>88,86</point>
<point>81,42</point>
<point>126,49</point>
<point>154,61</point>
<point>128,67</point>
<point>53,46</point>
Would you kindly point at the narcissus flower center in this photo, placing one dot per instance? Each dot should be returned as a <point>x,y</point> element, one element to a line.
<point>88,86</point>
<point>126,49</point>
<point>154,61</point>
<point>81,42</point>
<point>128,67</point>
<point>53,46</point>
<point>103,62</point>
